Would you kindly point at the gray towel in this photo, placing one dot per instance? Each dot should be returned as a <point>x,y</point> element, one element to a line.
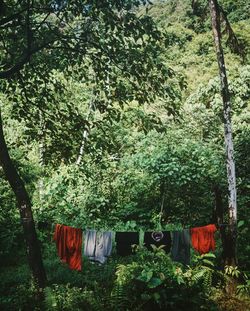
<point>98,245</point>
<point>89,243</point>
<point>181,246</point>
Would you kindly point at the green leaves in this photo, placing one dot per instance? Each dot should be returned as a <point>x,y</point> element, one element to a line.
<point>145,276</point>
<point>240,223</point>
<point>154,282</point>
<point>232,271</point>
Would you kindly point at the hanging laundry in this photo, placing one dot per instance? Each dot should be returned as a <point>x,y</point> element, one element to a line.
<point>158,238</point>
<point>69,245</point>
<point>181,246</point>
<point>89,243</point>
<point>203,238</point>
<point>103,246</point>
<point>97,245</point>
<point>124,242</point>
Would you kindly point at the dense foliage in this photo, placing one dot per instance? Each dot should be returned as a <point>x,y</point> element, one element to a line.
<point>142,82</point>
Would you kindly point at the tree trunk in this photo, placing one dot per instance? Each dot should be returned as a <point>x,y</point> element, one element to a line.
<point>24,206</point>
<point>85,132</point>
<point>41,148</point>
<point>81,151</point>
<point>219,219</point>
<point>232,208</point>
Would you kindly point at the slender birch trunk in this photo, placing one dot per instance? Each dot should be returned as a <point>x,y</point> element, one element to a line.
<point>24,205</point>
<point>41,150</point>
<point>231,258</point>
<point>90,110</point>
<point>85,134</point>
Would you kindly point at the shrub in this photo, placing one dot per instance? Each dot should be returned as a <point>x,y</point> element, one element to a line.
<point>154,282</point>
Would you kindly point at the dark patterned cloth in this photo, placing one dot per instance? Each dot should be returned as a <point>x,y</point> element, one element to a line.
<point>158,239</point>
<point>124,242</point>
<point>181,246</point>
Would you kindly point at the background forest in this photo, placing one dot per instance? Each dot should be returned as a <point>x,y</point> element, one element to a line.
<point>132,141</point>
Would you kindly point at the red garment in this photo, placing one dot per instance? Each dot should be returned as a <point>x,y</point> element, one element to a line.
<point>203,238</point>
<point>69,245</point>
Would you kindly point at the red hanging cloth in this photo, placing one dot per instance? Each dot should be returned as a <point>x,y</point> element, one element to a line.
<point>203,238</point>
<point>69,245</point>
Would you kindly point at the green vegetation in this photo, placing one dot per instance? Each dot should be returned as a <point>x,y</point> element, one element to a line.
<point>136,89</point>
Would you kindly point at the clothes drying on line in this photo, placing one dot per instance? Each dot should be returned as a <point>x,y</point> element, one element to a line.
<point>98,245</point>
<point>203,238</point>
<point>125,241</point>
<point>69,245</point>
<point>181,246</point>
<point>158,238</point>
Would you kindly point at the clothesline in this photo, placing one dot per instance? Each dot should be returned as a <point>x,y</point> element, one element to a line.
<point>221,225</point>
<point>98,244</point>
<point>158,230</point>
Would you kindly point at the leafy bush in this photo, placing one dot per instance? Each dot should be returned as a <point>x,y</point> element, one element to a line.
<point>154,282</point>
<point>65,297</point>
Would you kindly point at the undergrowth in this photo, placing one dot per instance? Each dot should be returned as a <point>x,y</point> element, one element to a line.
<point>142,282</point>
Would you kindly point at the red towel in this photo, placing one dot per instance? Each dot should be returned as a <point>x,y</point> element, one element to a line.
<point>69,245</point>
<point>203,238</point>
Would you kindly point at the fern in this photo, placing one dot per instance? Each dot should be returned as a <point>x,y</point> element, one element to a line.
<point>50,299</point>
<point>119,298</point>
<point>207,281</point>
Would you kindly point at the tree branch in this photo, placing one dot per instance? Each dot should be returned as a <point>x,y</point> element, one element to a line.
<point>25,59</point>
<point>28,30</point>
<point>10,18</point>
<point>232,40</point>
